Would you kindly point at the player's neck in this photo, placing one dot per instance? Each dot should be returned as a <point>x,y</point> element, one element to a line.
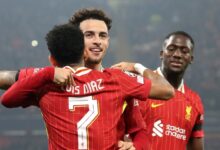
<point>94,66</point>
<point>175,79</point>
<point>76,66</point>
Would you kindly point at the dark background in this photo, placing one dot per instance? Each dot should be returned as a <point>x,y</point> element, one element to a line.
<point>139,27</point>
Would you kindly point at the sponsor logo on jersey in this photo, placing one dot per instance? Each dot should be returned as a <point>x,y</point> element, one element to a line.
<point>188,112</point>
<point>153,105</point>
<point>169,130</point>
<point>158,129</point>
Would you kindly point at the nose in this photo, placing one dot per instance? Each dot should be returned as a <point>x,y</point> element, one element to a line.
<point>97,39</point>
<point>177,53</point>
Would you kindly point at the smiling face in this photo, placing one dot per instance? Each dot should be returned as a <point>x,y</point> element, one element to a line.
<point>96,40</point>
<point>177,53</point>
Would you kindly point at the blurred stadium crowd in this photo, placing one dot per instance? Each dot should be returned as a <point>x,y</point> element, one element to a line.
<point>138,30</point>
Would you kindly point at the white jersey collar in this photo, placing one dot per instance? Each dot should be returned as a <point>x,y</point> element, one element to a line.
<point>79,71</point>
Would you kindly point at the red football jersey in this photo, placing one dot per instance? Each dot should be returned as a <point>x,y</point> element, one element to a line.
<point>84,116</point>
<point>169,124</point>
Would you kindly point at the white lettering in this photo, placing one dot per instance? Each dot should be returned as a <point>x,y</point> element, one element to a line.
<point>176,132</point>
<point>89,87</point>
<point>71,89</point>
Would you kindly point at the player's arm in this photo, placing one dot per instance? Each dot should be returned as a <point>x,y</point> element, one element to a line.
<point>160,87</point>
<point>27,88</point>
<point>140,140</point>
<point>7,78</point>
<point>135,124</point>
<point>195,144</point>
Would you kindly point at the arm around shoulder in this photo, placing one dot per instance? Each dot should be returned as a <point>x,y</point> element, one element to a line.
<point>160,87</point>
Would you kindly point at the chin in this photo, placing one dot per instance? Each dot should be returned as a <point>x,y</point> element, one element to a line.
<point>94,61</point>
<point>176,70</point>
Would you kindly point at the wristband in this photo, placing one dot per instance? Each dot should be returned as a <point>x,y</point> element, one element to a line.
<point>139,68</point>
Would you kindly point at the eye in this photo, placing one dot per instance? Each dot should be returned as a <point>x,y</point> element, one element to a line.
<point>88,35</point>
<point>185,50</point>
<point>171,48</point>
<point>103,36</point>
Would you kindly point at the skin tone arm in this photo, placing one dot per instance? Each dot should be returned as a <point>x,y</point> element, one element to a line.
<point>195,144</point>
<point>7,78</point>
<point>160,87</point>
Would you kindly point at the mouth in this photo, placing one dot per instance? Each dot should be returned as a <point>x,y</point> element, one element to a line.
<point>176,63</point>
<point>96,49</point>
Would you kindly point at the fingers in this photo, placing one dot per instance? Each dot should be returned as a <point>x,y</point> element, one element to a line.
<point>72,82</point>
<point>120,145</point>
<point>69,81</point>
<point>127,66</point>
<point>125,145</point>
<point>118,65</point>
<point>63,77</point>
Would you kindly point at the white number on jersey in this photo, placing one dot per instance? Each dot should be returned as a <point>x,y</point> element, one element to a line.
<point>86,120</point>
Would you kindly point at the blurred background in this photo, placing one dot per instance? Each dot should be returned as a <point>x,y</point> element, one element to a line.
<point>138,29</point>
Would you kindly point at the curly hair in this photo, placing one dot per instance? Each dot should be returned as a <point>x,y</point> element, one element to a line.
<point>66,44</point>
<point>90,13</point>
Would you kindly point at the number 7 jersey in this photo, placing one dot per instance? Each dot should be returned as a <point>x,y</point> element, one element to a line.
<point>84,116</point>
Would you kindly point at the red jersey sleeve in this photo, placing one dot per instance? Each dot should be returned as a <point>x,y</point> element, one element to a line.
<point>25,89</point>
<point>133,85</point>
<point>198,131</point>
<point>135,124</point>
<point>140,140</point>
<point>133,117</point>
<point>25,72</point>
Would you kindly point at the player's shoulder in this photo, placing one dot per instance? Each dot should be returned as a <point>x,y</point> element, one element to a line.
<point>194,97</point>
<point>190,92</point>
<point>111,70</point>
<point>119,72</point>
<point>24,72</point>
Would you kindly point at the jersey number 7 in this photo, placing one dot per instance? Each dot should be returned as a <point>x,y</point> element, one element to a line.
<point>86,120</point>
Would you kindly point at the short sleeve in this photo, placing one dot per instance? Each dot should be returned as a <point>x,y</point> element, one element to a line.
<point>134,85</point>
<point>198,127</point>
<point>25,72</point>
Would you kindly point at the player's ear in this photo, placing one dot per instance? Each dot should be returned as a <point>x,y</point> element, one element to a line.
<point>161,54</point>
<point>108,41</point>
<point>52,61</point>
<point>191,60</point>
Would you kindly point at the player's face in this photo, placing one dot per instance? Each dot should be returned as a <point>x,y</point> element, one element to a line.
<point>96,40</point>
<point>176,53</point>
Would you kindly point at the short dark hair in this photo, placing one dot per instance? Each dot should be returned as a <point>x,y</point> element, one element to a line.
<point>90,13</point>
<point>66,44</point>
<point>181,33</point>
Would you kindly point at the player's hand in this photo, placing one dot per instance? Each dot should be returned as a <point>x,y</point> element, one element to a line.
<point>128,66</point>
<point>122,145</point>
<point>63,77</point>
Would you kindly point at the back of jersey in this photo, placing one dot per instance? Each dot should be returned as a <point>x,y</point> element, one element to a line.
<point>85,116</point>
